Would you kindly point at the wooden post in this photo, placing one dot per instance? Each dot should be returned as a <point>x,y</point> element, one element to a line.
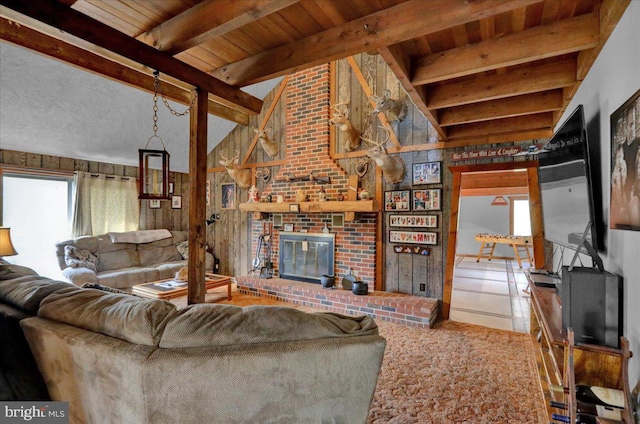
<point>535,211</point>
<point>451,244</point>
<point>380,225</point>
<point>197,188</point>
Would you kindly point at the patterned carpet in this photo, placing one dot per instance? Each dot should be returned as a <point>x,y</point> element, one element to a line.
<point>454,373</point>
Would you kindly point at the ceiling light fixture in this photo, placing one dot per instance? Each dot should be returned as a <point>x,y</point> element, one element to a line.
<point>154,164</point>
<point>499,201</point>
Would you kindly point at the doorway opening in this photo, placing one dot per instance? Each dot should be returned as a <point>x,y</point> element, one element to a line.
<point>491,200</point>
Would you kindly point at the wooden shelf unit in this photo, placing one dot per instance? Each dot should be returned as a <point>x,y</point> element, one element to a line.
<point>585,364</point>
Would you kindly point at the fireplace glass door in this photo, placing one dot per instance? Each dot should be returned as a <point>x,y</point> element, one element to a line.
<point>306,256</point>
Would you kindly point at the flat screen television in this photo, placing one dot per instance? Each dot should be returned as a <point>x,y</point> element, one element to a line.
<point>566,187</point>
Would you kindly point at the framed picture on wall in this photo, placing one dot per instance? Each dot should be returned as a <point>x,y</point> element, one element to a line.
<point>413,237</point>
<point>427,173</point>
<point>427,200</point>
<point>176,202</point>
<point>625,166</point>
<point>228,196</point>
<point>397,200</point>
<point>423,221</point>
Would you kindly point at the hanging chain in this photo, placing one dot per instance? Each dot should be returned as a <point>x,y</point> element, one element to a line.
<point>158,89</point>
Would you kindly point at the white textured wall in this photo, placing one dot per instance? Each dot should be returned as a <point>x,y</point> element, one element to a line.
<point>476,216</point>
<point>614,77</point>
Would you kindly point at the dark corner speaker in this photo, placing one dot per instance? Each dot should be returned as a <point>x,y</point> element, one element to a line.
<point>592,305</point>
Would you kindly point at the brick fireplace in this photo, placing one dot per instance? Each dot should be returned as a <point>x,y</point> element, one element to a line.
<point>307,150</point>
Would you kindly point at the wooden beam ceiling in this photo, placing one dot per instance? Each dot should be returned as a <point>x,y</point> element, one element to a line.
<point>207,20</point>
<point>65,19</point>
<point>387,27</point>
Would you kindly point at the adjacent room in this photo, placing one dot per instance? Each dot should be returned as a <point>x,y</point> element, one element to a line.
<point>301,211</point>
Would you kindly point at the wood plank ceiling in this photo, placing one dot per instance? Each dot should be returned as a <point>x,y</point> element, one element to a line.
<point>481,71</point>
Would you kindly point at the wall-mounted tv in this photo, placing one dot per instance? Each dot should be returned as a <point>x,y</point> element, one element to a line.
<point>566,187</point>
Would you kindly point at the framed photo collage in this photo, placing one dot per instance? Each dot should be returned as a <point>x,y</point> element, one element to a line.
<point>416,200</point>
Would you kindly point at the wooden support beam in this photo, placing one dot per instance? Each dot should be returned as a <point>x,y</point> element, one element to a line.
<point>522,81</point>
<point>197,199</point>
<point>558,38</point>
<point>63,18</point>
<point>451,245</point>
<point>87,61</point>
<point>535,212</point>
<point>506,125</point>
<point>395,24</point>
<point>526,104</point>
<point>398,63</point>
<point>206,20</point>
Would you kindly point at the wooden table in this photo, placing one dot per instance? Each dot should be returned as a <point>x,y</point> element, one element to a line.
<point>170,288</point>
<point>520,244</point>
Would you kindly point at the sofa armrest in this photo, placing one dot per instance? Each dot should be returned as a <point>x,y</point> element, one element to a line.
<point>80,275</point>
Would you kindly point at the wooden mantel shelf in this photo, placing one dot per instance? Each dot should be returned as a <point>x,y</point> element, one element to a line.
<point>311,207</point>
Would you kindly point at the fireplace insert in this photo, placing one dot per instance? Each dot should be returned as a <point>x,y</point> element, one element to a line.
<point>306,256</point>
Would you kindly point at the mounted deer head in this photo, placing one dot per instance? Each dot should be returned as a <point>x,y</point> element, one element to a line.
<point>242,177</point>
<point>396,109</point>
<point>393,167</point>
<point>270,147</point>
<point>341,120</point>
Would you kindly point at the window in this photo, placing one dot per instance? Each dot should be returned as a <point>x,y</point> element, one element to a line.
<point>38,210</point>
<point>520,218</point>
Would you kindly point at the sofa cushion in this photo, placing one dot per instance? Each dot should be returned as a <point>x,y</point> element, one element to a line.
<point>223,325</point>
<point>10,271</point>
<point>124,258</point>
<point>128,277</point>
<point>76,257</point>
<point>125,317</point>
<point>153,254</point>
<point>27,292</point>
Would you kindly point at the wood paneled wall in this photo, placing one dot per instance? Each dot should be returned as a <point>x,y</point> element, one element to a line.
<point>164,217</point>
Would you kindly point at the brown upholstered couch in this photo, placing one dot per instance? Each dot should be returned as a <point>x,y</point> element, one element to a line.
<point>125,264</point>
<point>120,358</point>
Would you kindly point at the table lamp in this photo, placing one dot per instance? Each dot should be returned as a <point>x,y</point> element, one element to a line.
<point>6,247</point>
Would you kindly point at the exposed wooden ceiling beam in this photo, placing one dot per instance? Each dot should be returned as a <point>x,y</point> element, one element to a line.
<point>567,36</point>
<point>66,19</point>
<point>505,125</point>
<point>510,137</point>
<point>504,108</point>
<point>402,22</point>
<point>207,20</point>
<point>521,81</point>
<point>399,64</point>
<point>65,52</point>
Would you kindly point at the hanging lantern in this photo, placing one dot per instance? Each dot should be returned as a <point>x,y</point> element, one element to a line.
<point>154,174</point>
<point>154,164</point>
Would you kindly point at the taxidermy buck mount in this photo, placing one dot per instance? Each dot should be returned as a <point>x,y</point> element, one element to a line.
<point>393,168</point>
<point>242,177</point>
<point>271,148</point>
<point>396,110</point>
<point>341,120</point>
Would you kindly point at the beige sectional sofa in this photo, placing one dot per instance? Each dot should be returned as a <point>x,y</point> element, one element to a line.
<point>125,264</point>
<point>120,358</point>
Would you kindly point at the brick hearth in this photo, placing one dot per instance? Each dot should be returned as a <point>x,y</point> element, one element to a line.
<point>393,307</point>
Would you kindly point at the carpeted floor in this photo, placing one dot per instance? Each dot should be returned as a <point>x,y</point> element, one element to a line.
<point>454,373</point>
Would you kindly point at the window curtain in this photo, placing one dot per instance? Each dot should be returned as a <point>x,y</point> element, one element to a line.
<point>105,203</point>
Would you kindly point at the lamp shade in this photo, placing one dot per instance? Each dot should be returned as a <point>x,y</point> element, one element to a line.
<point>6,247</point>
